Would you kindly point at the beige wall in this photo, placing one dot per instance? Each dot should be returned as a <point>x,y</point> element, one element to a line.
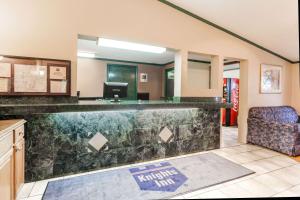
<point>198,76</point>
<point>91,74</point>
<point>296,87</point>
<point>49,29</point>
<point>154,84</point>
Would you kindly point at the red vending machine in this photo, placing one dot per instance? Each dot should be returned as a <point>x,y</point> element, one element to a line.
<point>230,95</point>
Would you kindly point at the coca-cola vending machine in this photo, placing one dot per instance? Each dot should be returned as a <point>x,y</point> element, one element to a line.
<point>230,95</point>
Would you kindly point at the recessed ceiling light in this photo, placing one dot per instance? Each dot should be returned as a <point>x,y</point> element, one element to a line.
<point>130,46</point>
<point>86,54</point>
<point>1,57</point>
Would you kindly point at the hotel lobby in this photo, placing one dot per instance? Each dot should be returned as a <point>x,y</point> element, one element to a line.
<point>149,99</point>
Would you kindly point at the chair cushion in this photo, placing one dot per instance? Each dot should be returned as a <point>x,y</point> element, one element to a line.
<point>264,113</point>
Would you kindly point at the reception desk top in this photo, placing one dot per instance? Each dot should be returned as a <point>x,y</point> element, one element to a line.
<point>104,105</point>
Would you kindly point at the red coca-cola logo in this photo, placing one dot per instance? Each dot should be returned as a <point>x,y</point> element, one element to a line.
<point>235,97</point>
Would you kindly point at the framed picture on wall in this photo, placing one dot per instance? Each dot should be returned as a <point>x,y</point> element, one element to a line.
<point>270,79</point>
<point>144,77</point>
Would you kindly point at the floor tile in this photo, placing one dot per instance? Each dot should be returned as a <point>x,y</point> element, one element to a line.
<point>292,192</point>
<point>179,197</point>
<point>25,190</point>
<point>266,165</point>
<point>277,184</point>
<point>240,179</point>
<point>235,191</point>
<point>37,197</point>
<point>264,153</point>
<point>281,160</point>
<point>241,148</point>
<point>39,188</point>
<point>256,189</point>
<point>296,167</point>
<point>256,168</point>
<point>285,158</point>
<point>230,150</point>
<point>288,175</point>
<point>211,195</point>
<point>244,157</point>
<point>201,191</point>
<point>251,147</point>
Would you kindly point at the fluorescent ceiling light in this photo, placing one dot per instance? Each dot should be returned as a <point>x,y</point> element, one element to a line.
<point>129,45</point>
<point>85,54</point>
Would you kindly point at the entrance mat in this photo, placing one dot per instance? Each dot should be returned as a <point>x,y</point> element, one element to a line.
<point>159,180</point>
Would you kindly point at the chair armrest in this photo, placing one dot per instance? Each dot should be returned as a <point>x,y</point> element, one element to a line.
<point>286,126</point>
<point>281,137</point>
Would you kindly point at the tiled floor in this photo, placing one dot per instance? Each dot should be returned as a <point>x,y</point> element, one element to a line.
<point>277,175</point>
<point>229,136</point>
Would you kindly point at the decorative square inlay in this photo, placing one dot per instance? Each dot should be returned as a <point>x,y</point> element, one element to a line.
<point>97,141</point>
<point>165,135</point>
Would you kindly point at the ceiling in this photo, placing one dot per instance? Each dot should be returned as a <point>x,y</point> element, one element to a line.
<point>125,55</point>
<point>90,45</point>
<point>272,24</point>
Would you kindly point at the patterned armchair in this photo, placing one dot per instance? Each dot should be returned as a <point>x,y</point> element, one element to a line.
<point>275,128</point>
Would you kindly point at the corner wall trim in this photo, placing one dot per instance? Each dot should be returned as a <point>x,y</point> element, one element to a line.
<point>225,30</point>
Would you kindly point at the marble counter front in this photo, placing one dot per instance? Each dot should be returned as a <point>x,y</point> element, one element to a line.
<point>60,138</point>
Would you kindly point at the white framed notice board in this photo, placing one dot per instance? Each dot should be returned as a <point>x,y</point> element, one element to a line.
<point>34,76</point>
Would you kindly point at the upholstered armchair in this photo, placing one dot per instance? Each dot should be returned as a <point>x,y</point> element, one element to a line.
<point>276,128</point>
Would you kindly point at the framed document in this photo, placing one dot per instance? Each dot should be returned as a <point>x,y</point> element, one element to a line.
<point>58,73</point>
<point>4,85</point>
<point>5,70</point>
<point>30,78</point>
<point>58,86</point>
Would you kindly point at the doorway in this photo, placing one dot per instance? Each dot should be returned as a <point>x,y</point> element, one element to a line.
<point>231,94</point>
<point>125,74</point>
<point>169,82</point>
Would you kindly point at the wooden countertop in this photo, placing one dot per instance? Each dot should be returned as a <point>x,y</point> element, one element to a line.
<point>9,125</point>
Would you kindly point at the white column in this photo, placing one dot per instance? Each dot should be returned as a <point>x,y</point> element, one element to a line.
<point>217,65</point>
<point>180,73</point>
<point>243,101</point>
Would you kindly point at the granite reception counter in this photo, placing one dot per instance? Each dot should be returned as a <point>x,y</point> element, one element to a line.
<point>70,138</point>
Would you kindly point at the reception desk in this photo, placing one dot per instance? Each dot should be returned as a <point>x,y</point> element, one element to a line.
<point>69,138</point>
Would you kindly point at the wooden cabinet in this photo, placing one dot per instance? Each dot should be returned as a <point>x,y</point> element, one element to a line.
<point>12,158</point>
<point>6,166</point>
<point>6,173</point>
